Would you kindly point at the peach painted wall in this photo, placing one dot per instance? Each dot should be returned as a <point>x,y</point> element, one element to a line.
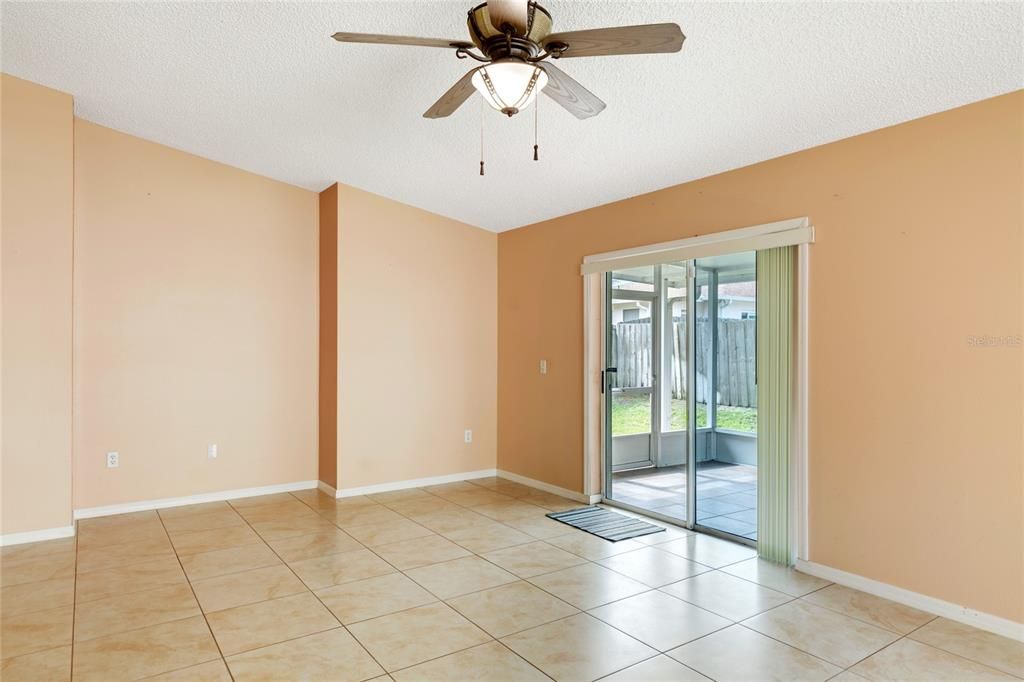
<point>37,137</point>
<point>417,342</point>
<point>328,367</point>
<point>195,323</point>
<point>916,449</point>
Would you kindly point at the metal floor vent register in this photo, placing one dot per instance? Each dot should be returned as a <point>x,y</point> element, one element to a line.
<point>605,523</point>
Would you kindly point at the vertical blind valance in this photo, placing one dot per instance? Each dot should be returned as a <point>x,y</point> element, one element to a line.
<point>771,235</point>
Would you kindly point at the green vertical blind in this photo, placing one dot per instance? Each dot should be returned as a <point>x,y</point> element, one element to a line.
<point>775,320</point>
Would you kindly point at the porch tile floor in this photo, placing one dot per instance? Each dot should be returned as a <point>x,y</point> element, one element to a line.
<point>726,494</point>
<point>427,585</point>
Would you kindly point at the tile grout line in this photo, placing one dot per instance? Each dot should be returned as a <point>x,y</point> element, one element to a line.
<point>439,599</point>
<point>652,658</point>
<point>342,626</point>
<point>176,670</point>
<point>554,596</point>
<point>861,620</point>
<point>315,595</point>
<point>92,600</point>
<point>403,573</point>
<point>135,629</point>
<point>283,641</point>
<point>516,654</point>
<point>656,587</point>
<point>877,651</point>
<point>73,578</point>
<point>445,602</point>
<point>946,651</point>
<point>903,637</point>
<point>527,580</point>
<point>128,562</point>
<point>786,644</point>
<point>585,561</point>
<point>221,575</point>
<point>712,569</point>
<point>742,623</point>
<point>194,596</point>
<point>658,652</point>
<point>649,658</point>
<point>899,637</point>
<point>617,629</point>
<point>119,632</point>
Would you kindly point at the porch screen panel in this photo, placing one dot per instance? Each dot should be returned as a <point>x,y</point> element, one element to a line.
<point>775,343</point>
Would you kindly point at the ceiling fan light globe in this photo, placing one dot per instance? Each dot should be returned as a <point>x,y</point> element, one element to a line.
<point>509,85</point>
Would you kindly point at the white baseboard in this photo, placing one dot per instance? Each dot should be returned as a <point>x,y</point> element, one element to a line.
<point>962,614</point>
<point>325,488</point>
<point>548,488</point>
<point>146,505</point>
<point>414,483</point>
<point>36,535</point>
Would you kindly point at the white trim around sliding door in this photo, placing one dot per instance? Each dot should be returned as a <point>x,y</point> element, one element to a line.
<point>593,434</point>
<point>799,519</point>
<point>769,235</point>
<point>588,344</point>
<point>798,232</point>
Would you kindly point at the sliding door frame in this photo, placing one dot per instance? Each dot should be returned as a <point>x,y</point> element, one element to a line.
<point>691,394</point>
<point>661,315</point>
<point>594,441</point>
<point>656,316</point>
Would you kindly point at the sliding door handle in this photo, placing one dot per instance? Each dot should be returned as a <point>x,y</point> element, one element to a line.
<point>604,374</point>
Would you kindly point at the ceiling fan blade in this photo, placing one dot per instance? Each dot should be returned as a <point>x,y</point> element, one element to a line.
<point>568,92</point>
<point>378,39</point>
<point>599,42</point>
<point>453,99</point>
<point>511,12</point>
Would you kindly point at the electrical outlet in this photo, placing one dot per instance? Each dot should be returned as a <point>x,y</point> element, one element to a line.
<point>543,366</point>
<point>211,451</point>
<point>113,460</point>
<point>468,437</point>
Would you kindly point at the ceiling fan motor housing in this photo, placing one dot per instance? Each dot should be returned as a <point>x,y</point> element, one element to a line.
<point>497,43</point>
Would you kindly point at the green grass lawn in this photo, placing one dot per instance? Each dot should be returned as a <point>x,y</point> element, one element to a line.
<point>632,414</point>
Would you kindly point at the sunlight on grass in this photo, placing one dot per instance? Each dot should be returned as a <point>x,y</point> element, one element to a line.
<point>631,413</point>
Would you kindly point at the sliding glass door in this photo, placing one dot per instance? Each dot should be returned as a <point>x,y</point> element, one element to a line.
<point>725,482</point>
<point>645,386</point>
<point>632,404</point>
<point>680,392</point>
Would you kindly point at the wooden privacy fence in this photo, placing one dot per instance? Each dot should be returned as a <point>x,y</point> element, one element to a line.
<point>632,351</point>
<point>631,348</point>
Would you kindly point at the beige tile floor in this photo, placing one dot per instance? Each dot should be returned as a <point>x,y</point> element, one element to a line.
<point>452,582</point>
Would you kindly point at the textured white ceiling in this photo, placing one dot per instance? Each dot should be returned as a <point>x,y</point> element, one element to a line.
<point>261,86</point>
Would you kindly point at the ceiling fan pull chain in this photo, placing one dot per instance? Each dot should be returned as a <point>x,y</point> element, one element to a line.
<point>481,137</point>
<point>536,115</point>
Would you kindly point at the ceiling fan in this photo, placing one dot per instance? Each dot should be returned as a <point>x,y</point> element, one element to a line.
<point>515,44</point>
